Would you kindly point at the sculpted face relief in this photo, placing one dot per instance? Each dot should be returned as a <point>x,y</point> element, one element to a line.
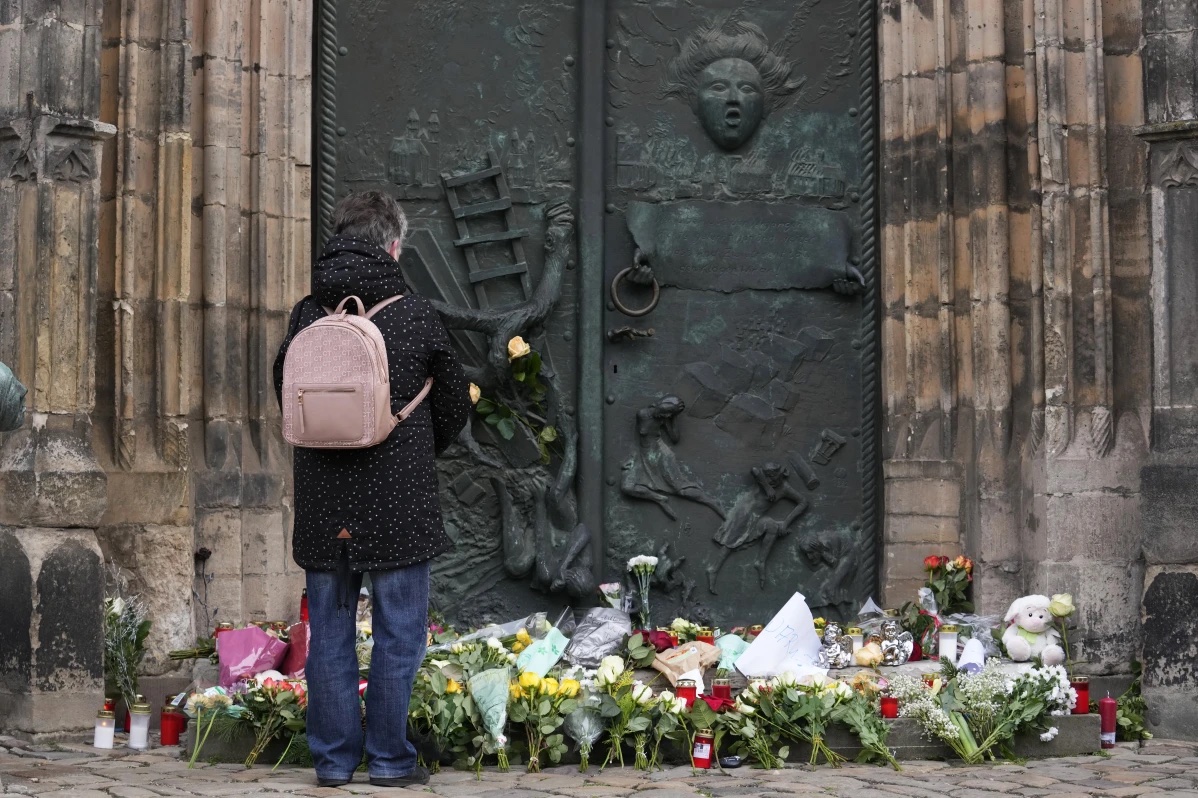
<point>731,101</point>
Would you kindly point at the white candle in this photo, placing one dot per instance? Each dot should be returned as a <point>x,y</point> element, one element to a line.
<point>948,643</point>
<point>139,725</point>
<point>105,729</point>
<point>858,638</point>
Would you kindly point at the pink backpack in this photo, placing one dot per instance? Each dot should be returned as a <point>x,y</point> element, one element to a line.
<point>336,390</point>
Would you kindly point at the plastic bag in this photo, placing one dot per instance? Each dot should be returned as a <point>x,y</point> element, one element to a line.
<point>565,622</point>
<point>585,726</point>
<point>977,627</point>
<point>297,651</point>
<point>537,626</point>
<point>731,647</point>
<point>543,654</point>
<point>245,652</point>
<point>490,691</point>
<point>600,633</point>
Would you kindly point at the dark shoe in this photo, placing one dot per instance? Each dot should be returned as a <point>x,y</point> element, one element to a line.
<point>331,782</point>
<point>416,778</point>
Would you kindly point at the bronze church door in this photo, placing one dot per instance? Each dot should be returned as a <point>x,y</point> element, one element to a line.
<point>672,204</point>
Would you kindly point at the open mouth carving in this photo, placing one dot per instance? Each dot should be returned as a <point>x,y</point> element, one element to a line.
<point>732,117</point>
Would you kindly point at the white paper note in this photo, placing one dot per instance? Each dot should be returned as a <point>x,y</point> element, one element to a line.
<point>788,644</point>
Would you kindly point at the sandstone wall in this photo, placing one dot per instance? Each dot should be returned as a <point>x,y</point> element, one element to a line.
<point>1016,339</point>
<point>204,247</point>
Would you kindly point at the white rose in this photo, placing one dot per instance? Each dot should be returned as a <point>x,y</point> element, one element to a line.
<point>610,669</point>
<point>641,693</point>
<point>493,642</point>
<point>665,697</point>
<point>117,607</point>
<point>840,690</point>
<point>744,708</point>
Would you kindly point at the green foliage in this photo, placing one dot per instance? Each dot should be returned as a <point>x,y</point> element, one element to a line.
<point>641,653</point>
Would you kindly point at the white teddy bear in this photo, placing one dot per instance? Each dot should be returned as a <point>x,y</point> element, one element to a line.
<point>1030,632</point>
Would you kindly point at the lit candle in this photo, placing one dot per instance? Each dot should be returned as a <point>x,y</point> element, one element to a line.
<point>948,643</point>
<point>1082,685</point>
<point>139,724</point>
<point>858,637</point>
<point>105,728</point>
<point>706,636</point>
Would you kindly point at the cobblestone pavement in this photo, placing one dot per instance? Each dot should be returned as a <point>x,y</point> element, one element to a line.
<point>77,771</point>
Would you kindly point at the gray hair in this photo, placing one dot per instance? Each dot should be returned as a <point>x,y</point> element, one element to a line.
<point>374,216</point>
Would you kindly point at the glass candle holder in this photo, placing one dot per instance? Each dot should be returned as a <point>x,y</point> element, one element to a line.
<point>722,688</point>
<point>139,724</point>
<point>171,725</point>
<point>706,636</point>
<point>105,728</point>
<point>755,630</point>
<point>688,691</point>
<point>947,643</point>
<point>889,706</point>
<point>857,635</point>
<point>1081,684</point>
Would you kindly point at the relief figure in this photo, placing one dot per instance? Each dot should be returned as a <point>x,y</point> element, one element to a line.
<point>732,80</point>
<point>749,523</point>
<point>654,473</point>
<point>829,552</point>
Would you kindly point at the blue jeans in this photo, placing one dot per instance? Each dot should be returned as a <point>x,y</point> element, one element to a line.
<point>400,629</point>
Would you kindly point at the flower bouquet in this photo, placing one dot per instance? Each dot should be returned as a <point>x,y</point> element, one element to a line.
<point>642,567</point>
<point>490,690</point>
<point>627,704</point>
<point>541,704</point>
<point>949,580</point>
<point>209,705</point>
<point>272,708</point>
<point>584,725</point>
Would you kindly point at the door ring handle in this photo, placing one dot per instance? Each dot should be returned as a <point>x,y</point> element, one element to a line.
<point>627,311</point>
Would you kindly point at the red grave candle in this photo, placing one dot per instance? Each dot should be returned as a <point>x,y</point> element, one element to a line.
<point>889,707</point>
<point>1108,709</point>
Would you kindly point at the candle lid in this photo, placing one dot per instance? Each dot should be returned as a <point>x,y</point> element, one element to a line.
<point>140,706</point>
<point>705,732</point>
<point>224,625</point>
<point>891,613</point>
<point>951,628</point>
<point>686,683</point>
<point>721,681</point>
<point>169,709</point>
<point>105,713</point>
<point>854,630</point>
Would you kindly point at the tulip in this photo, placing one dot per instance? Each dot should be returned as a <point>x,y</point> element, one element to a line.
<point>517,348</point>
<point>1061,605</point>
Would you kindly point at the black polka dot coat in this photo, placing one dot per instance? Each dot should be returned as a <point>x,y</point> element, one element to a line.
<point>386,496</point>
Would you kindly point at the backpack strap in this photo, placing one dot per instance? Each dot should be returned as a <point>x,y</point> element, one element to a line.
<point>412,405</point>
<point>370,313</point>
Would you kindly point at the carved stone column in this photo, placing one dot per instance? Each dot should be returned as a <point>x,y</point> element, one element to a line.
<point>52,490</point>
<point>1170,499</point>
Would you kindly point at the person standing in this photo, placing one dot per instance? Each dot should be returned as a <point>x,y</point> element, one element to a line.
<point>373,510</point>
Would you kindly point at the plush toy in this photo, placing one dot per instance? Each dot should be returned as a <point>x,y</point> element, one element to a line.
<point>1030,631</point>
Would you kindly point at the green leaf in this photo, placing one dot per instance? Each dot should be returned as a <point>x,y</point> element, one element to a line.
<point>485,407</point>
<point>494,419</point>
<point>639,724</point>
<point>506,427</point>
<point>549,434</point>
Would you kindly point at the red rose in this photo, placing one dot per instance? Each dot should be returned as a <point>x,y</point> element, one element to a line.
<point>931,563</point>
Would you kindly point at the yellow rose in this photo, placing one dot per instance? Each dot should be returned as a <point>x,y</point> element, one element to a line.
<point>517,647</point>
<point>476,393</point>
<point>524,637</point>
<point>1061,605</point>
<point>869,655</point>
<point>569,688</point>
<point>549,686</point>
<point>517,348</point>
<point>529,680</point>
<point>515,691</point>
<point>453,687</point>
